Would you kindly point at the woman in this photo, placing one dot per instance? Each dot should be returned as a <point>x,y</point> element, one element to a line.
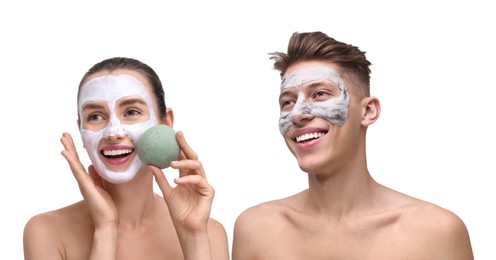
<point>121,217</point>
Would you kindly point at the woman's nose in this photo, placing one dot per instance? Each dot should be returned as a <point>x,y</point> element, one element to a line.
<point>114,130</point>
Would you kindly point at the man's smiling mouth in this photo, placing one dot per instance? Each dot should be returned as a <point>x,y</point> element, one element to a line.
<point>309,136</point>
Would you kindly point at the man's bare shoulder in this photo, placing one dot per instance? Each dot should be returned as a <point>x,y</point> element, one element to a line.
<point>258,225</point>
<point>392,226</point>
<point>267,210</point>
<point>266,216</point>
<point>418,213</point>
<point>436,230</point>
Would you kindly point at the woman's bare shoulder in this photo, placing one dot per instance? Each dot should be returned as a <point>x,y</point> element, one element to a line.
<point>47,233</point>
<point>59,219</point>
<point>57,216</point>
<point>216,229</point>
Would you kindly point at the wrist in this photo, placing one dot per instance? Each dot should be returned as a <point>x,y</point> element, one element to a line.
<point>195,245</point>
<point>106,233</point>
<point>104,243</point>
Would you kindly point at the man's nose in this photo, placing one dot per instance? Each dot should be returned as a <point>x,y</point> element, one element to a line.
<point>302,111</point>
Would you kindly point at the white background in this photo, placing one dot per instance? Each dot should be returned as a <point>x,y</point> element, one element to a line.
<point>433,70</point>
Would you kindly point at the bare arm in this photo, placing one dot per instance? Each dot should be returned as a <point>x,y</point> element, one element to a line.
<point>453,239</point>
<point>244,238</point>
<point>432,232</point>
<point>218,240</point>
<point>40,241</point>
<point>100,204</point>
<point>189,204</point>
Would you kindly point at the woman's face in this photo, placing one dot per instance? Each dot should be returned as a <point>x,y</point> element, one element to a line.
<point>114,111</point>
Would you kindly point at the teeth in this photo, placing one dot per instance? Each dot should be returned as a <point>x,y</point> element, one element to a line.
<point>308,136</point>
<point>117,152</point>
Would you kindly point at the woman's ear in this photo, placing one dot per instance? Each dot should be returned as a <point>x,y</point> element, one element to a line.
<point>372,110</point>
<point>169,117</point>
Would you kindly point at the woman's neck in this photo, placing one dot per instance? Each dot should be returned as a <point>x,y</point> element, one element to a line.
<point>135,200</point>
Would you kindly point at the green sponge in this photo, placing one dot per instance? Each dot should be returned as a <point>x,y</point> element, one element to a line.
<point>158,146</point>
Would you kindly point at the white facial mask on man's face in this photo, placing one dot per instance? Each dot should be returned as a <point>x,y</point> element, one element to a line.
<point>110,89</point>
<point>333,110</point>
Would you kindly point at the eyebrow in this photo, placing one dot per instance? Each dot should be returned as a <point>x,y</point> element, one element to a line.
<point>321,82</point>
<point>93,106</point>
<point>311,85</point>
<point>283,94</point>
<point>132,101</point>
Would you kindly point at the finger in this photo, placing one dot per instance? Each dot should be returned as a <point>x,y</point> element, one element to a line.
<point>185,148</point>
<point>199,183</point>
<point>162,182</point>
<point>68,144</point>
<point>70,154</point>
<point>188,167</point>
<point>75,165</point>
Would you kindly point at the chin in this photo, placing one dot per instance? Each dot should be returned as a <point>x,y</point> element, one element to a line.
<point>116,177</point>
<point>309,166</point>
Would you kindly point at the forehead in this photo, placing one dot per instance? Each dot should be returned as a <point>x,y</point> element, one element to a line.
<point>313,75</point>
<point>311,64</point>
<point>301,73</point>
<point>111,88</point>
<point>135,74</point>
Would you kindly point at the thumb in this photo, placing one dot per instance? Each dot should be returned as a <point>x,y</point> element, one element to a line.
<point>94,175</point>
<point>162,182</point>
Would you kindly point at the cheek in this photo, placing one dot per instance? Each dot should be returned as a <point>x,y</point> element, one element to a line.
<point>354,113</point>
<point>285,122</point>
<point>135,131</point>
<point>334,111</point>
<point>94,126</point>
<point>91,139</point>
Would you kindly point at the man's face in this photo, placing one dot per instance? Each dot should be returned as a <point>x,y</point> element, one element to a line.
<point>317,91</point>
<point>315,105</point>
<point>114,111</point>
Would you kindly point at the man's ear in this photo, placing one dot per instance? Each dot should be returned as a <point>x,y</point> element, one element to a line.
<point>169,117</point>
<point>371,110</point>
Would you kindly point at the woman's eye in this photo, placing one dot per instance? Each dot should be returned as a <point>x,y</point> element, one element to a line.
<point>95,117</point>
<point>132,112</point>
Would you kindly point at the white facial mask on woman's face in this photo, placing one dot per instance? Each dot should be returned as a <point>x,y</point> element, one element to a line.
<point>110,89</point>
<point>333,110</point>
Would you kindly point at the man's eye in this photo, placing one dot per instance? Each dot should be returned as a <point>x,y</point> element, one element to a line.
<point>320,94</point>
<point>285,103</point>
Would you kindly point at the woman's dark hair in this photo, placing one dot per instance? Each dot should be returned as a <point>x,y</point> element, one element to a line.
<point>117,63</point>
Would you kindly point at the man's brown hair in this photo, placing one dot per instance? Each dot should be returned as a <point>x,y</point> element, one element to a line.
<point>318,46</point>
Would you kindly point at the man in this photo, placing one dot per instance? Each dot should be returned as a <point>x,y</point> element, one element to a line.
<point>326,109</point>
